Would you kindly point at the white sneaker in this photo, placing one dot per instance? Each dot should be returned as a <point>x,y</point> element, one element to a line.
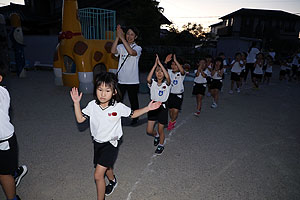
<point>238,90</point>
<point>230,92</point>
<point>214,105</point>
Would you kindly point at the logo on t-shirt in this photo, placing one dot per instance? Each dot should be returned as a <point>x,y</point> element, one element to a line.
<point>175,82</point>
<point>112,114</point>
<point>160,93</point>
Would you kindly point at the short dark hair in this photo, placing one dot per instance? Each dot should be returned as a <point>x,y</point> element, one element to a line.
<point>134,29</point>
<point>3,69</point>
<point>109,79</point>
<point>219,59</point>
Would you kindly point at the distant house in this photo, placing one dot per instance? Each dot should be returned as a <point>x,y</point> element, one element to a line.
<point>270,28</point>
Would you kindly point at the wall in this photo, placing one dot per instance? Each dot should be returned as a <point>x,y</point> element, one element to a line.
<point>40,48</point>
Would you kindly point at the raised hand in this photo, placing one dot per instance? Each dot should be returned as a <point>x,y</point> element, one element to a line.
<point>154,105</point>
<point>120,32</point>
<point>174,57</point>
<point>168,58</point>
<point>74,95</point>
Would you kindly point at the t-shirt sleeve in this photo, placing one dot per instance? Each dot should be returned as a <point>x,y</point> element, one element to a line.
<point>125,110</point>
<point>118,50</point>
<point>149,85</point>
<point>88,109</point>
<point>138,50</point>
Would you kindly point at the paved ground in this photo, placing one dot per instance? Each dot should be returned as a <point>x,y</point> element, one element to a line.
<point>247,148</point>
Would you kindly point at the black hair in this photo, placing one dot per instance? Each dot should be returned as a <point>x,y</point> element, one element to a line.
<point>134,29</point>
<point>221,54</point>
<point>236,54</point>
<point>3,69</point>
<point>220,60</point>
<point>110,80</point>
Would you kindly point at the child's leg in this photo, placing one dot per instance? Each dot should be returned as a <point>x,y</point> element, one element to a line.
<point>232,84</point>
<point>100,182</point>
<point>174,114</point>
<point>199,101</point>
<point>8,185</point>
<point>161,133</point>
<point>150,128</point>
<point>171,113</point>
<point>110,174</point>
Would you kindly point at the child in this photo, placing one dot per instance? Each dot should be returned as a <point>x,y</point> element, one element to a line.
<point>159,91</point>
<point>258,70</point>
<point>209,63</point>
<point>200,84</point>
<point>288,70</point>
<point>105,114</point>
<point>268,73</point>
<point>282,72</point>
<point>243,65</point>
<point>10,174</point>
<point>216,85</point>
<point>236,69</point>
<point>177,75</point>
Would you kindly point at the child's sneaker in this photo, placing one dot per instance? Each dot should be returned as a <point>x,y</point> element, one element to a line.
<point>197,113</point>
<point>20,173</point>
<point>230,92</point>
<point>238,90</point>
<point>110,187</point>
<point>156,141</point>
<point>208,94</point>
<point>159,149</point>
<point>214,105</point>
<point>171,125</point>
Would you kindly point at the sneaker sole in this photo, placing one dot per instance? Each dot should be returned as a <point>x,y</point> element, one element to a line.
<point>22,175</point>
<point>112,189</point>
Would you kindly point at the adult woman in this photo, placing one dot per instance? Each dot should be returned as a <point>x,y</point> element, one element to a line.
<point>128,69</point>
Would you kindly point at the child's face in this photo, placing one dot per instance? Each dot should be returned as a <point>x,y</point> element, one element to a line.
<point>104,94</point>
<point>130,36</point>
<point>238,57</point>
<point>159,74</point>
<point>208,60</point>
<point>174,67</point>
<point>218,64</point>
<point>202,64</point>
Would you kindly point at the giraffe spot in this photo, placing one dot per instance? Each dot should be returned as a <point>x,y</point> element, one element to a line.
<point>108,46</point>
<point>97,56</point>
<point>80,48</point>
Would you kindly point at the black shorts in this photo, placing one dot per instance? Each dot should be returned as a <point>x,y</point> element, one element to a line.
<point>288,71</point>
<point>199,88</point>
<point>216,84</point>
<point>208,79</point>
<point>258,76</point>
<point>235,76</point>
<point>243,73</point>
<point>175,101</point>
<point>160,114</point>
<point>268,74</point>
<point>9,158</point>
<point>105,154</point>
<point>282,72</point>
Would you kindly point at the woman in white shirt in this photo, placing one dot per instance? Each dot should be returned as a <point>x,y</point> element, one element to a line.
<point>251,58</point>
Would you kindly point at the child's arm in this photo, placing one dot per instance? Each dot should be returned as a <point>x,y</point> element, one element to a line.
<point>221,72</point>
<point>115,43</point>
<point>168,58</point>
<point>182,72</point>
<point>76,99</point>
<point>149,77</point>
<point>164,71</point>
<point>151,106</point>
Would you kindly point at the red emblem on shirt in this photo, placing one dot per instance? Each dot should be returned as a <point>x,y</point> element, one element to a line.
<point>114,114</point>
<point>109,114</point>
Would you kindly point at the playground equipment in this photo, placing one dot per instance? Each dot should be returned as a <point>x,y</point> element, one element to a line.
<point>78,52</point>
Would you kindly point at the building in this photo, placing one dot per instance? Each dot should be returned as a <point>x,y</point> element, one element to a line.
<point>270,28</point>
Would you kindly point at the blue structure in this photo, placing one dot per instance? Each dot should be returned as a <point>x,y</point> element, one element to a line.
<point>98,23</point>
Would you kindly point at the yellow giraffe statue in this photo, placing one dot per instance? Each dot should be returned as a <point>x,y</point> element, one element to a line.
<point>75,57</point>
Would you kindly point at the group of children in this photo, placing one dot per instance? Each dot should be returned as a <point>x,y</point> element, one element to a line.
<point>290,68</point>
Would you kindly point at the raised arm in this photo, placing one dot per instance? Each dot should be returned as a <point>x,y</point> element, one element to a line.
<point>76,99</point>
<point>149,77</point>
<point>164,71</point>
<point>115,43</point>
<point>182,72</point>
<point>151,106</point>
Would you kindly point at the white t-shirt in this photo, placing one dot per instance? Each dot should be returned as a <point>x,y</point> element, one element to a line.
<point>200,79</point>
<point>216,76</point>
<point>236,68</point>
<point>177,79</point>
<point>159,92</point>
<point>283,67</point>
<point>269,69</point>
<point>251,58</point>
<point>207,70</point>
<point>129,73</point>
<point>6,128</point>
<point>289,66</point>
<point>105,124</point>
<point>295,59</point>
<point>258,69</point>
<point>272,53</point>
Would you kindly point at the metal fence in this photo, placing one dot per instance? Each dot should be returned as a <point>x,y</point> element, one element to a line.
<point>98,23</point>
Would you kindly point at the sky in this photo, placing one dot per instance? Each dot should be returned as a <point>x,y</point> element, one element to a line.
<point>208,12</point>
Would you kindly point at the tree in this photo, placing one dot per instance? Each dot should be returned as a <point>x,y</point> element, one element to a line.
<point>195,29</point>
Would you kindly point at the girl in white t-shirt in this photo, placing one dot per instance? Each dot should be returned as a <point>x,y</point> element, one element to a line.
<point>269,70</point>
<point>282,72</point>
<point>159,91</point>
<point>236,69</point>
<point>177,75</point>
<point>216,85</point>
<point>258,70</point>
<point>200,84</point>
<point>105,114</point>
